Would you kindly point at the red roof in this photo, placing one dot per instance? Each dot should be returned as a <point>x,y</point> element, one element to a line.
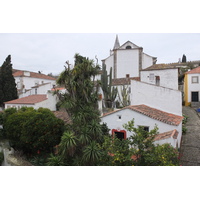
<point>194,71</point>
<point>153,113</point>
<point>160,67</point>
<point>169,134</point>
<point>20,73</point>
<point>32,99</point>
<point>124,81</point>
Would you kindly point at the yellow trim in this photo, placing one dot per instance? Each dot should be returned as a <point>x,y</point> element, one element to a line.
<point>186,90</point>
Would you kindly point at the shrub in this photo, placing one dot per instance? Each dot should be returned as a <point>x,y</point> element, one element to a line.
<point>164,155</point>
<point>33,131</point>
<point>55,160</point>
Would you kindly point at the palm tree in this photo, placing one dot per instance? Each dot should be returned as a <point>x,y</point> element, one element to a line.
<point>92,153</point>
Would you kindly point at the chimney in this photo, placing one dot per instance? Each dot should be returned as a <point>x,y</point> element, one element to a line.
<point>127,75</point>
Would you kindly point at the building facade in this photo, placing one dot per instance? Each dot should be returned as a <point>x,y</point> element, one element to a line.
<point>147,117</point>
<point>192,86</point>
<point>127,59</point>
<point>26,81</point>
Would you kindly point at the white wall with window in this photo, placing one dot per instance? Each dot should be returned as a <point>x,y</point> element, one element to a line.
<point>163,77</point>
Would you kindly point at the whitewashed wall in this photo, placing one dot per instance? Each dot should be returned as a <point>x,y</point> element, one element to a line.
<point>110,63</point>
<point>18,106</point>
<point>171,141</point>
<point>128,63</point>
<point>147,61</point>
<point>162,98</point>
<point>168,77</point>
<point>42,89</point>
<point>113,122</point>
<point>49,103</point>
<point>29,82</point>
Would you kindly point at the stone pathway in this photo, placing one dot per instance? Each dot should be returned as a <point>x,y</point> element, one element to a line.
<point>190,147</point>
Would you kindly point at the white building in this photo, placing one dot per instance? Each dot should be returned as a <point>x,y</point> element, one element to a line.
<point>127,59</point>
<point>170,125</point>
<point>36,101</point>
<point>161,75</point>
<point>26,81</point>
<point>158,87</point>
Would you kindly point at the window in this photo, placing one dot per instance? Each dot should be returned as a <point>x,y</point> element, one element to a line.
<point>145,128</point>
<point>195,79</point>
<point>151,77</point>
<point>128,47</point>
<point>158,80</point>
<point>119,117</point>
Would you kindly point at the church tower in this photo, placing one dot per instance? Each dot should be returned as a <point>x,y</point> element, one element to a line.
<point>116,46</point>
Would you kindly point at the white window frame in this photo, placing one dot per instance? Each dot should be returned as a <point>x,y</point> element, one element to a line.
<point>197,79</point>
<point>151,77</point>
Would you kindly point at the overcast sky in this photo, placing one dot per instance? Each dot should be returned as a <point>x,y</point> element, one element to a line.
<point>48,52</point>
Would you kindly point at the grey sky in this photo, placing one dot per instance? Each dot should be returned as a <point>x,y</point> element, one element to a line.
<point>48,52</point>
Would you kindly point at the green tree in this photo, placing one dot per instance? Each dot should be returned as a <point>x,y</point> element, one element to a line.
<point>81,102</point>
<point>146,153</point>
<point>116,152</point>
<point>33,131</point>
<point>8,90</point>
<point>184,60</point>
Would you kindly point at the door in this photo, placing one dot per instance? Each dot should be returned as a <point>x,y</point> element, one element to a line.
<point>119,135</point>
<point>195,96</point>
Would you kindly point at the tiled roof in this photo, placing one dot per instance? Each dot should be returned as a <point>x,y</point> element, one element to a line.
<point>169,134</point>
<point>153,113</point>
<point>160,67</point>
<point>194,71</point>
<point>63,115</point>
<point>17,73</point>
<point>39,85</point>
<point>57,88</point>
<point>124,81</point>
<point>32,99</point>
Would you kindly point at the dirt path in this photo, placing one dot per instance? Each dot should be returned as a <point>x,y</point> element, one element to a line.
<point>190,148</point>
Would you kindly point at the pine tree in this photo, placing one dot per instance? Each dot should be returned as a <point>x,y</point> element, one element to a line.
<point>8,90</point>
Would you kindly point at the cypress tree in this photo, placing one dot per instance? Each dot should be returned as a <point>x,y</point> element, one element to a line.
<point>1,89</point>
<point>8,90</point>
<point>184,60</point>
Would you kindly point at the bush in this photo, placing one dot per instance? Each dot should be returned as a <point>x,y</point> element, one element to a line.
<point>33,131</point>
<point>1,158</point>
<point>163,155</point>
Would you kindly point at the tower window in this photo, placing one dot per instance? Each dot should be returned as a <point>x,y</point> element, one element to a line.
<point>128,47</point>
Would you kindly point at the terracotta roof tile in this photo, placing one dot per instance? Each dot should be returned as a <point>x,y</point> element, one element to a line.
<point>17,73</point>
<point>153,113</point>
<point>160,67</point>
<point>159,115</point>
<point>124,81</point>
<point>194,71</point>
<point>32,99</point>
<point>63,115</point>
<point>169,134</point>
